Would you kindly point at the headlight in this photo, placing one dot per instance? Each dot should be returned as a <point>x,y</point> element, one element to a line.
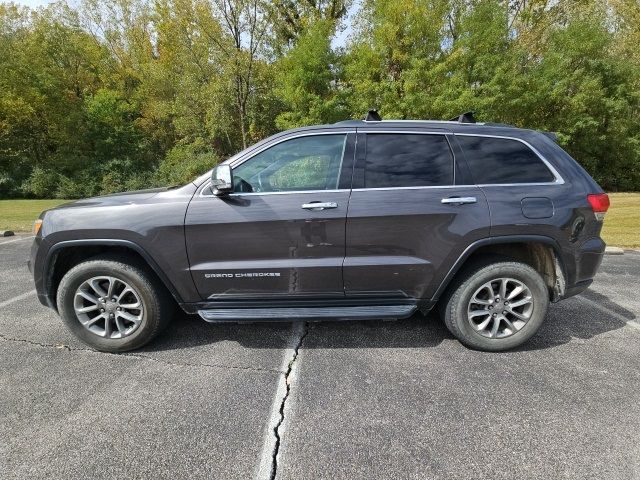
<point>36,226</point>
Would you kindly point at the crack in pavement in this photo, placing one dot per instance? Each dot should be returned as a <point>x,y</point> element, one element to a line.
<point>279,425</point>
<point>60,346</point>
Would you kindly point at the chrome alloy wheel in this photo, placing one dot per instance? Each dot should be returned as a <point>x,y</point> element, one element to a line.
<point>500,308</point>
<point>108,307</point>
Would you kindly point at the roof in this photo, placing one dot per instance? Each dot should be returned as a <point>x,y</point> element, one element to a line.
<point>420,123</point>
<point>450,126</point>
<point>466,120</point>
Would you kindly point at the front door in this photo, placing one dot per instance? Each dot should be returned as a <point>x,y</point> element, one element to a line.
<point>282,232</point>
<point>411,214</point>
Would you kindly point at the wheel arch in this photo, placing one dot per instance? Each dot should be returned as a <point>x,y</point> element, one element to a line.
<point>539,251</point>
<point>63,256</point>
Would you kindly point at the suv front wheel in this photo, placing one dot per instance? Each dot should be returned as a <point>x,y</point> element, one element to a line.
<point>111,305</point>
<point>496,306</point>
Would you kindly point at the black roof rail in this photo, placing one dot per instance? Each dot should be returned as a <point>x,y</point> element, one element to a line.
<point>467,117</point>
<point>373,116</point>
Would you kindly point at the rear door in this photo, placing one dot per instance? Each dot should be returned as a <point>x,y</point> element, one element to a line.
<point>411,214</point>
<point>282,232</point>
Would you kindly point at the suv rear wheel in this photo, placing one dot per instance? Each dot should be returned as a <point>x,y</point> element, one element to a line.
<point>496,306</point>
<point>111,305</point>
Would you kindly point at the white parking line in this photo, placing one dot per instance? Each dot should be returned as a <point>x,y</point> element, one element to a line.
<point>269,442</point>
<point>630,323</point>
<point>16,299</point>
<point>16,240</point>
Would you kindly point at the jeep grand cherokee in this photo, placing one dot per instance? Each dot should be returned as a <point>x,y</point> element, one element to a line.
<point>356,220</point>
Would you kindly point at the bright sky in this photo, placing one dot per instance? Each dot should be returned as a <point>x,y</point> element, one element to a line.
<point>339,40</point>
<point>33,3</point>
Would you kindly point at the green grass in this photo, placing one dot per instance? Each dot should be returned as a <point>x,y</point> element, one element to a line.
<point>621,225</point>
<point>19,215</point>
<point>622,222</point>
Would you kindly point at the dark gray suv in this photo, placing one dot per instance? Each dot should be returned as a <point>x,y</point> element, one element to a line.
<point>356,220</point>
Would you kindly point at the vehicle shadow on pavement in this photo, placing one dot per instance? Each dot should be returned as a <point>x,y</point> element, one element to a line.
<point>609,304</point>
<point>576,319</point>
<point>416,332</point>
<point>566,321</point>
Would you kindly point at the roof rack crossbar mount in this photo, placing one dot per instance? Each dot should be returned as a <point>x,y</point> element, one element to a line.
<point>373,116</point>
<point>467,117</point>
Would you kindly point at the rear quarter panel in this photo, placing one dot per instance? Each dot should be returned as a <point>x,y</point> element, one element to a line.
<point>572,225</point>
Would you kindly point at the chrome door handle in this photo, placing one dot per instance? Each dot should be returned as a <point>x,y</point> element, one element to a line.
<point>319,205</point>
<point>459,200</point>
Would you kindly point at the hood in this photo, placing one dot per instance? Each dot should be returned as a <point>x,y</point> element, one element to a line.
<point>116,198</point>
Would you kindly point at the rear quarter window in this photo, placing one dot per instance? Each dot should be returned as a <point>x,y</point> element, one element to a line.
<point>501,160</point>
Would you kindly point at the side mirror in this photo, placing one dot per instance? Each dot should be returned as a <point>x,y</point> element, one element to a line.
<point>222,180</point>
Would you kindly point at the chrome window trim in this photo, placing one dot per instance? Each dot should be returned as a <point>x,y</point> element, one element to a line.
<point>255,194</point>
<point>424,187</point>
<point>558,178</point>
<point>289,192</point>
<point>239,161</point>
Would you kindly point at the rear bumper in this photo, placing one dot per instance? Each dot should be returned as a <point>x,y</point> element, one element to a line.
<point>587,261</point>
<point>577,288</point>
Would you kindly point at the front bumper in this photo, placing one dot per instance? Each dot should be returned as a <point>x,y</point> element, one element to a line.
<point>36,261</point>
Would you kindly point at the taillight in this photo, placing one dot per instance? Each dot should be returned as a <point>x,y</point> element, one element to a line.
<point>599,204</point>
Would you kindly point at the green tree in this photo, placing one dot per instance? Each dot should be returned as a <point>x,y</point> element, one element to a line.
<point>307,78</point>
<point>291,19</point>
<point>118,94</point>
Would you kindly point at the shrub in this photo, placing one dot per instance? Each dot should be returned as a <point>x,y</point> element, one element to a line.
<point>41,183</point>
<point>183,163</point>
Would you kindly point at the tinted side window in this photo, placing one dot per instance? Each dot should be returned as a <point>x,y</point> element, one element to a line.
<point>499,160</point>
<point>304,163</point>
<point>407,160</point>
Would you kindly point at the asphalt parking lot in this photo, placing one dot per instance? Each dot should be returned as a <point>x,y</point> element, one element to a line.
<point>334,400</point>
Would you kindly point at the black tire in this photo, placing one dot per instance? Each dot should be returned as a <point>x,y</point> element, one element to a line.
<point>157,309</point>
<point>455,304</point>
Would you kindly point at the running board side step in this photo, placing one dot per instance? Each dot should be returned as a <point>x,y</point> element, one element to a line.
<point>377,312</point>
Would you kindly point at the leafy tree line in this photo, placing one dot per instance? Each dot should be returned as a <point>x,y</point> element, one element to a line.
<point>112,95</point>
